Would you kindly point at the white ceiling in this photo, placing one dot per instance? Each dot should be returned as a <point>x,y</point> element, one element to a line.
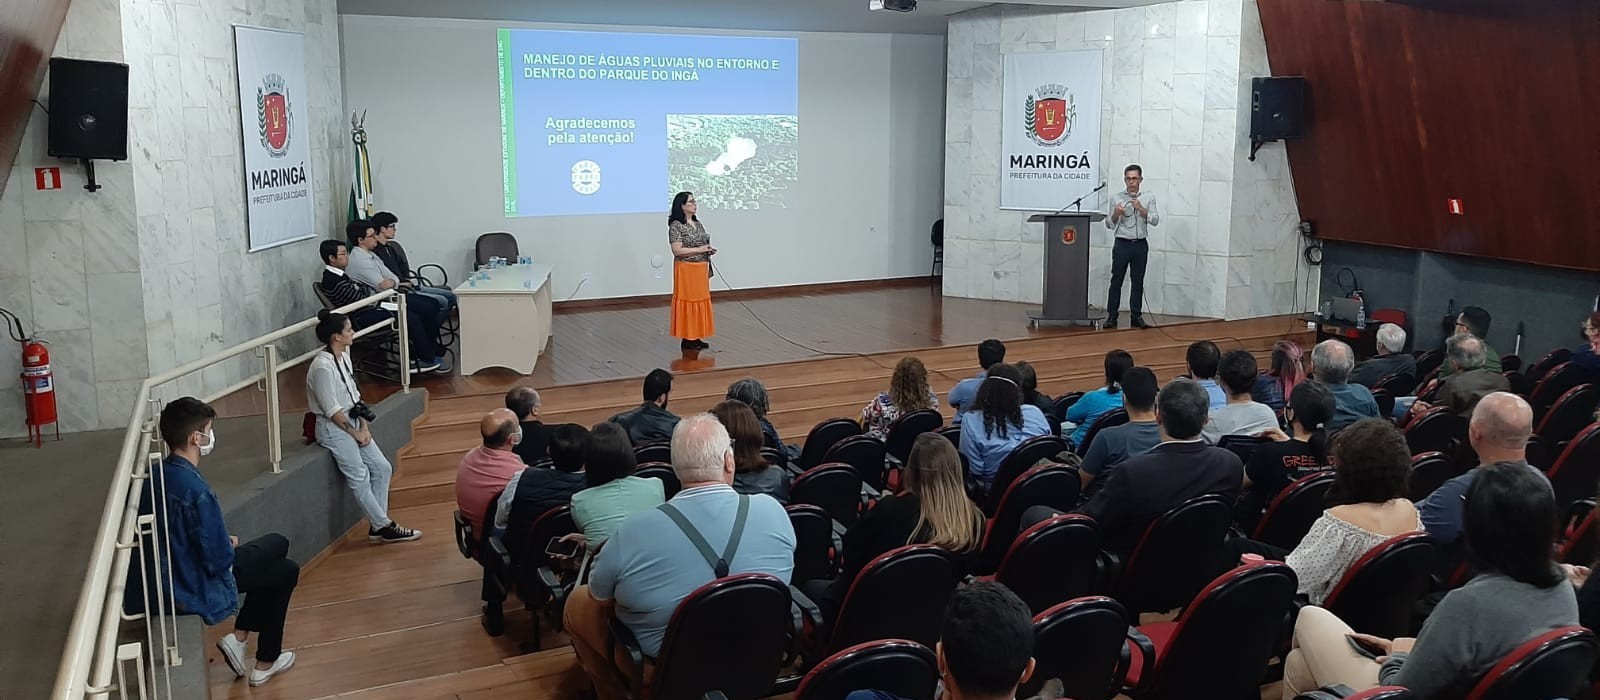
<point>772,15</point>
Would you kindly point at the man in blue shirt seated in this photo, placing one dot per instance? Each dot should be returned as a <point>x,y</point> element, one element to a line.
<point>209,567</point>
<point>1203,359</point>
<point>991,352</point>
<point>652,562</point>
<point>1332,361</point>
<point>1499,432</point>
<point>1113,445</point>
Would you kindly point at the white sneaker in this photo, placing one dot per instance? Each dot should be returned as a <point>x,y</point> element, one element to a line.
<point>233,653</point>
<point>285,660</point>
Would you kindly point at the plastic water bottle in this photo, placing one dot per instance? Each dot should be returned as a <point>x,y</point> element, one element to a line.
<point>1361,310</point>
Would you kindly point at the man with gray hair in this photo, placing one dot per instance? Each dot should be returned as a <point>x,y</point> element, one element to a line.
<point>1470,379</point>
<point>1331,363</point>
<point>1391,358</point>
<point>524,402</point>
<point>1499,432</point>
<point>659,556</point>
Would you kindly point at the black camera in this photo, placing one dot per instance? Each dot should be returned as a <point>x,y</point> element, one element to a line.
<point>363,412</point>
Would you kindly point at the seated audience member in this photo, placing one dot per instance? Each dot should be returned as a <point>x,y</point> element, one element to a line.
<point>985,647</point>
<point>394,258</point>
<point>1146,486</point>
<point>931,508</point>
<point>1288,457</point>
<point>1030,391</point>
<point>524,402</point>
<point>1510,516</point>
<point>651,421</point>
<point>1499,432</point>
<point>209,567</point>
<point>1088,409</point>
<point>1241,415</point>
<point>366,268</point>
<point>997,422</point>
<point>752,473</point>
<point>1475,322</point>
<point>1587,355</point>
<point>1469,381</point>
<point>1284,373</point>
<point>489,468</point>
<point>1332,361</point>
<point>1203,358</point>
<point>341,290</point>
<point>652,562</point>
<point>535,490</point>
<point>908,393</point>
<point>611,492</point>
<point>751,392</point>
<point>1371,469</point>
<point>1115,445</point>
<point>991,352</point>
<point>1391,358</point>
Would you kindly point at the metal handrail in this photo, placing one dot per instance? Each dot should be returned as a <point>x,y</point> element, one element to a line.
<point>91,651</point>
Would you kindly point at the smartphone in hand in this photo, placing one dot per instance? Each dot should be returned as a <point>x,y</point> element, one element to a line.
<point>562,548</point>
<point>1366,648</point>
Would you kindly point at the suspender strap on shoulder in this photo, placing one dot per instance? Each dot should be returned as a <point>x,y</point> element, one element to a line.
<point>719,565</point>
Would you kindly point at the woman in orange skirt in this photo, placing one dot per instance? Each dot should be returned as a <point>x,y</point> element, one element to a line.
<point>692,319</point>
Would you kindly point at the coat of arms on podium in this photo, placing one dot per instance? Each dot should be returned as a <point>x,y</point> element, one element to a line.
<point>1069,234</point>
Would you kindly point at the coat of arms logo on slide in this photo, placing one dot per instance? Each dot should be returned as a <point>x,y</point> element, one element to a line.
<point>1048,114</point>
<point>272,113</point>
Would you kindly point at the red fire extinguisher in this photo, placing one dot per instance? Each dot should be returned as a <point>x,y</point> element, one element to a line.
<point>38,382</point>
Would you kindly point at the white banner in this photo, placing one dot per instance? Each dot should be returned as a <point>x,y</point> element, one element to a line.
<point>273,111</point>
<point>1050,141</point>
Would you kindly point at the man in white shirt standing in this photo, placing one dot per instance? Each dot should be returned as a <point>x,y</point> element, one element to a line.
<point>1132,214</point>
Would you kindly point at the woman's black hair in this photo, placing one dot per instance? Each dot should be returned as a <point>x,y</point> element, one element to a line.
<point>1117,362</point>
<point>329,324</point>
<point>1312,405</point>
<point>1030,382</point>
<point>1000,399</point>
<point>607,455</point>
<point>1509,522</point>
<point>1374,463</point>
<point>677,214</point>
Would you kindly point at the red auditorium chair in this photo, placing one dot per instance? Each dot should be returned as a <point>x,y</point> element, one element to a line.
<point>1555,664</point>
<point>1383,397</point>
<point>816,542</point>
<point>834,487</point>
<point>1080,642</point>
<point>530,572</point>
<point>866,454</point>
<point>1559,381</point>
<point>1175,557</point>
<point>1551,359</point>
<point>1054,485</point>
<point>1569,414</point>
<point>1109,419</point>
<point>903,432</point>
<point>897,666</point>
<point>729,635</point>
<point>1427,365</point>
<point>1436,430</point>
<point>1022,458</point>
<point>1053,561</point>
<point>1220,645</point>
<point>900,595</point>
<point>1341,692</point>
<point>1062,404</point>
<point>1292,512</point>
<point>1397,384</point>
<point>1578,545</point>
<point>670,485</point>
<point>823,437</point>
<point>653,452</point>
<point>1577,470</point>
<point>1429,471</point>
<point>1377,593</point>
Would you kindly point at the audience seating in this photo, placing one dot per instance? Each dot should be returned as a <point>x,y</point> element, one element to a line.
<point>670,485</point>
<point>526,569</point>
<point>1436,430</point>
<point>1383,397</point>
<point>1578,547</point>
<point>1428,364</point>
<point>1577,470</point>
<point>1555,664</point>
<point>1080,642</point>
<point>1428,387</point>
<point>1109,419</point>
<point>774,456</point>
<point>1054,485</point>
<point>1569,414</point>
<point>498,244</point>
<point>1551,360</point>
<point>953,434</point>
<point>1341,692</point>
<point>1053,561</point>
<point>470,543</point>
<point>730,635</point>
<point>1559,381</point>
<point>1062,404</point>
<point>1220,645</point>
<point>1510,363</point>
<point>377,353</point>
<point>1176,556</point>
<point>1429,471</point>
<point>817,544</point>
<point>898,666</point>
<point>1292,512</point>
<point>822,438</point>
<point>904,430</point>
<point>833,487</point>
<point>866,454</point>
<point>1022,458</point>
<point>1377,593</point>
<point>1242,445</point>
<point>653,452</point>
<point>1396,384</point>
<point>899,595</point>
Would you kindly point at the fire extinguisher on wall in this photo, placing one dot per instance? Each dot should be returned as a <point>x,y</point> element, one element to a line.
<point>38,382</point>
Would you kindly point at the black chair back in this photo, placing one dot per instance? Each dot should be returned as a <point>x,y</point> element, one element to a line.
<point>953,434</point>
<point>835,488</point>
<point>653,452</point>
<point>1080,643</point>
<point>1109,419</point>
<point>1291,513</point>
<point>1022,458</point>
<point>1061,405</point>
<point>899,595</point>
<point>1378,592</point>
<point>900,667</point>
<point>729,635</point>
<point>1555,664</point>
<point>1427,363</point>
<point>1396,384</point>
<point>1224,639</point>
<point>1053,561</point>
<point>814,547</point>
<point>904,430</point>
<point>1429,471</point>
<point>1176,556</point>
<point>670,485</point>
<point>1385,400</point>
<point>1559,381</point>
<point>823,437</point>
<point>1437,430</point>
<point>1579,547</point>
<point>1550,361</point>
<point>1341,692</point>
<point>774,456</point>
<point>1577,470</point>
<point>1568,415</point>
<point>527,553</point>
<point>866,454</point>
<point>1054,485</point>
<point>1242,445</point>
<point>498,244</point>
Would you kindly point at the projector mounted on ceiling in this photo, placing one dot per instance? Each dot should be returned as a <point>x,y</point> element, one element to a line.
<point>892,5</point>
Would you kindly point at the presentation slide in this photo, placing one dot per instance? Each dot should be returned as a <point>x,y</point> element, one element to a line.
<point>616,123</point>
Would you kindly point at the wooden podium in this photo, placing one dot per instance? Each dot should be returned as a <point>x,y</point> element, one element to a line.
<point>1066,268</point>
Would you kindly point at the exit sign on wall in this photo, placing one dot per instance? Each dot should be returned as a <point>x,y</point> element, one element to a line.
<point>1454,205</point>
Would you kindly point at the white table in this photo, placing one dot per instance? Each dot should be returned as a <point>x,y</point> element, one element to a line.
<point>506,319</point>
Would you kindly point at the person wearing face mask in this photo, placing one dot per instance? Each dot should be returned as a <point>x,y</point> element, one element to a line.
<point>209,567</point>
<point>485,471</point>
<point>342,428</point>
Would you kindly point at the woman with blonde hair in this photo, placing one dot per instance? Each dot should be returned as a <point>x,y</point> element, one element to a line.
<point>931,508</point>
<point>752,474</point>
<point>908,393</point>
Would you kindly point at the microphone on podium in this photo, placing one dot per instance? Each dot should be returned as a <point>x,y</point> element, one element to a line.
<point>1076,203</point>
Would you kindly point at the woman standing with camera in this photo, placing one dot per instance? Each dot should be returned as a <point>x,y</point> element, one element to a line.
<point>342,427</point>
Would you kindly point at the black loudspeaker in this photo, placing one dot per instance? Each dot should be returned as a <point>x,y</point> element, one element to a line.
<point>88,109</point>
<point>1277,108</point>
